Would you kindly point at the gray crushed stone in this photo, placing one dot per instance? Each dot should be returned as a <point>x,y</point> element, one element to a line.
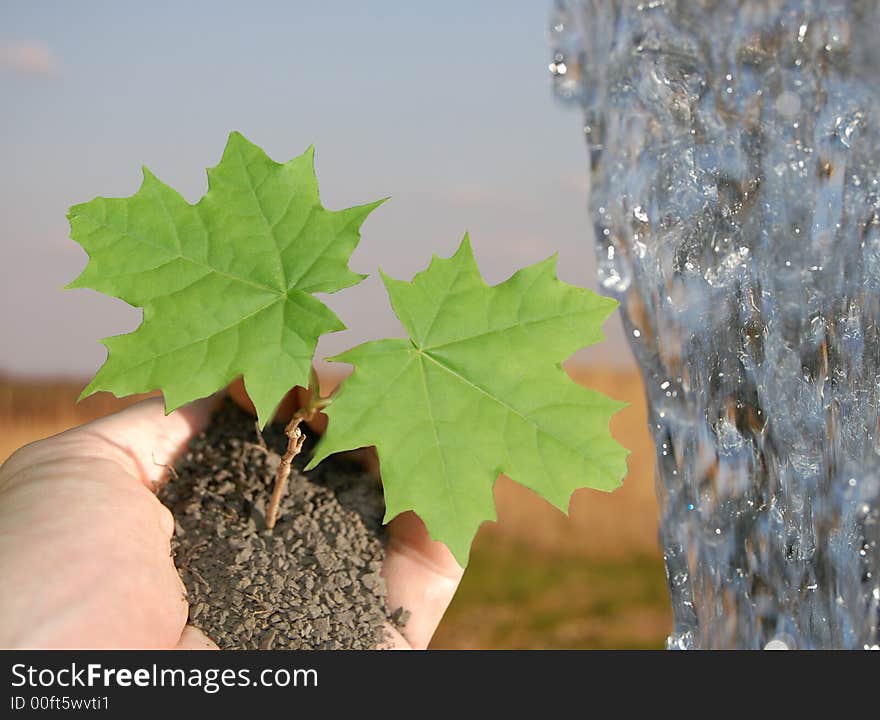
<point>314,582</point>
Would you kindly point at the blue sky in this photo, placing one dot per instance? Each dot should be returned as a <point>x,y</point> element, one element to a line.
<point>444,106</point>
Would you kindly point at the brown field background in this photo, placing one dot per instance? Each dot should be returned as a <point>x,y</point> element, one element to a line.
<point>536,579</point>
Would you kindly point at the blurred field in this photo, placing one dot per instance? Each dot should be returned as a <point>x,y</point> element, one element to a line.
<point>536,579</point>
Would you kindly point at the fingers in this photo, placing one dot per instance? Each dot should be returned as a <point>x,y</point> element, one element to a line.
<point>143,439</point>
<point>194,639</point>
<point>422,577</point>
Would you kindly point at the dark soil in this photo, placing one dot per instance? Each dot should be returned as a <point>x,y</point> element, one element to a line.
<point>314,581</point>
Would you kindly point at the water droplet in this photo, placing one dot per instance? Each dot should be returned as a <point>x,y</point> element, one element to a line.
<point>639,214</point>
<point>788,104</point>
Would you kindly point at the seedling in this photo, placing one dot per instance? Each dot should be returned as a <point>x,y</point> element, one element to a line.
<point>477,389</point>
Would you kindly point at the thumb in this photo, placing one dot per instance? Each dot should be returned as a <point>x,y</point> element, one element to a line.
<point>147,439</point>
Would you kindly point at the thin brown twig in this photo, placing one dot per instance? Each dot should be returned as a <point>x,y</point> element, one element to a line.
<point>295,440</point>
<point>257,448</point>
<point>260,439</point>
<point>170,468</point>
<point>198,576</point>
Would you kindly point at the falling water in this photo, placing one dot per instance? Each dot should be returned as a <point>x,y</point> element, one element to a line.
<point>734,148</point>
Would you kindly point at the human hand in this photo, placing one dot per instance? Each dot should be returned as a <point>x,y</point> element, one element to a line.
<point>85,556</point>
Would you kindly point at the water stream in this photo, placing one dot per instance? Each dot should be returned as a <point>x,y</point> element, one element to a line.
<point>734,149</point>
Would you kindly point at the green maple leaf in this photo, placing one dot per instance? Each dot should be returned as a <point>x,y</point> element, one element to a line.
<point>226,284</point>
<point>477,390</point>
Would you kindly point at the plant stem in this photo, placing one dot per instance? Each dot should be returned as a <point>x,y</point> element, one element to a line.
<point>295,440</point>
<point>259,434</point>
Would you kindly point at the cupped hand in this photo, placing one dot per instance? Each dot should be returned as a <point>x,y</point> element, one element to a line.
<point>85,557</point>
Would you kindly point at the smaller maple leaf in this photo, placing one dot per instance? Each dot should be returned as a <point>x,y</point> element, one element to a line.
<point>477,390</point>
<point>226,285</point>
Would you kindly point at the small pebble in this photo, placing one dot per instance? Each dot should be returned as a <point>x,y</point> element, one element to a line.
<point>312,583</point>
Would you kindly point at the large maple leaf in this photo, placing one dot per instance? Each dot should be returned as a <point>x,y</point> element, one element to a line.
<point>477,390</point>
<point>226,285</point>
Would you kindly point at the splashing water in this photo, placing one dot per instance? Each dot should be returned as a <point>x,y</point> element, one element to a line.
<point>734,149</point>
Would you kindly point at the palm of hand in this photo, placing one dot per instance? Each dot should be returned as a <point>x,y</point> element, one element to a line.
<point>85,545</point>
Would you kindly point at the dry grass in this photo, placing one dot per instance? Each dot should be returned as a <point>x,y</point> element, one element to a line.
<point>595,579</point>
<point>537,578</point>
<point>601,525</point>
